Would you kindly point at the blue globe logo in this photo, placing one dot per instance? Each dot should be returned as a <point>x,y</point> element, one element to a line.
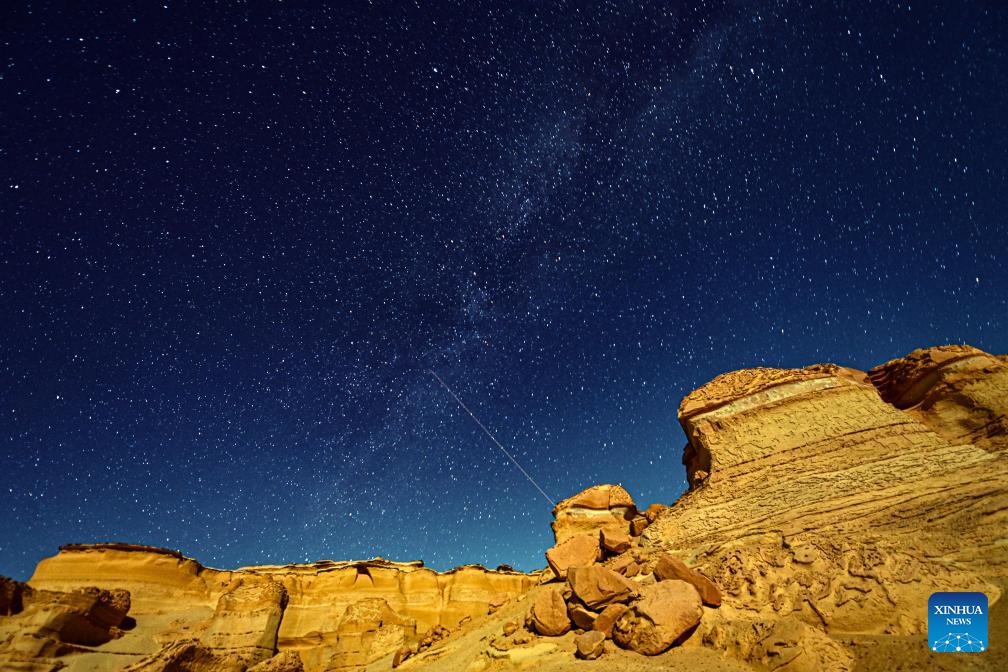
<point>957,641</point>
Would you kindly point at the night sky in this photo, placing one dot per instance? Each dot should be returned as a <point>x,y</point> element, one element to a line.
<point>237,239</point>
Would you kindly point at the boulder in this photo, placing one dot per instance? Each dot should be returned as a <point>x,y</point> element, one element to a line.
<point>549,613</point>
<point>582,617</point>
<point>590,645</point>
<point>666,614</point>
<point>597,586</point>
<point>614,540</point>
<point>670,567</point>
<point>591,510</point>
<point>607,619</point>
<point>578,551</point>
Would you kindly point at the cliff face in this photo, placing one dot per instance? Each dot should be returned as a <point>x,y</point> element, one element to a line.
<point>826,505</point>
<point>333,615</point>
<point>845,499</point>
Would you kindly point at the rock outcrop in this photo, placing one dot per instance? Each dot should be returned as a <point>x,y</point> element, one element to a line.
<point>825,505</point>
<point>827,500</point>
<point>325,616</point>
<point>958,392</point>
<point>40,626</point>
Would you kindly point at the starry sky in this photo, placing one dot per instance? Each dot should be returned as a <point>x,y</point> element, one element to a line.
<point>237,239</point>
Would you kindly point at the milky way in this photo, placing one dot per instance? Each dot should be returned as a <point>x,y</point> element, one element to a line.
<point>236,242</point>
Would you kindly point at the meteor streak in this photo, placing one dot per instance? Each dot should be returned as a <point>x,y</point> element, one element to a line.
<point>492,437</point>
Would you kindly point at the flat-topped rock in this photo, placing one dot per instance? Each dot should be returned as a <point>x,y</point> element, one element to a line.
<point>593,509</point>
<point>252,612</point>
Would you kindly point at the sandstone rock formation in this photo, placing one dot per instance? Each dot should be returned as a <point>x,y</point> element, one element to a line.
<point>819,498</point>
<point>549,614</point>
<point>597,587</point>
<point>590,645</point>
<point>825,505</point>
<point>580,550</point>
<point>958,392</point>
<point>325,615</point>
<point>40,626</point>
<point>592,510</point>
<point>670,567</point>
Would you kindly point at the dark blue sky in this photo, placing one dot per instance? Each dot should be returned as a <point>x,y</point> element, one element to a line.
<point>235,240</point>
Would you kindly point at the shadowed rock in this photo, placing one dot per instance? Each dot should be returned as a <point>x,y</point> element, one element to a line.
<point>596,586</point>
<point>665,615</point>
<point>549,613</point>
<point>578,551</point>
<point>670,567</point>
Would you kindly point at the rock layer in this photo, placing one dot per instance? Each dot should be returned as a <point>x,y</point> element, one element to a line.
<point>825,505</point>
<point>812,494</point>
<point>333,615</point>
<point>959,392</point>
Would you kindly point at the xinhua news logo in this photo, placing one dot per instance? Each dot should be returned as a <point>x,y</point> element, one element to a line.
<point>957,622</point>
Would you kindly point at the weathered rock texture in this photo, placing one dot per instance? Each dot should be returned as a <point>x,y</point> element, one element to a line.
<point>40,626</point>
<point>841,499</point>
<point>959,392</point>
<point>326,615</point>
<point>664,615</point>
<point>592,510</point>
<point>825,505</point>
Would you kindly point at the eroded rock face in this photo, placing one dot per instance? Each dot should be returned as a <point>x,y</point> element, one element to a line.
<point>786,644</point>
<point>332,615</point>
<point>246,620</point>
<point>39,626</point>
<point>12,596</point>
<point>813,495</point>
<point>825,505</point>
<point>959,392</point>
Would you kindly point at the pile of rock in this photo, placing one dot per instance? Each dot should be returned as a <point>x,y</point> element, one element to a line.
<point>435,635</point>
<point>613,589</point>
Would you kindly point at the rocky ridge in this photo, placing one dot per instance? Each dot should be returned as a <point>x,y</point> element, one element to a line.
<point>825,505</point>
<point>321,616</point>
